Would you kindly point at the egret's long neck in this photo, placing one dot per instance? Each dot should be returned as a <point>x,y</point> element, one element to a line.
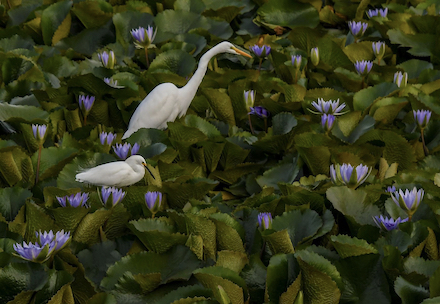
<point>190,89</point>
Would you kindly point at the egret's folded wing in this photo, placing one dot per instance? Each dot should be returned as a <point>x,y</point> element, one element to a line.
<point>110,174</point>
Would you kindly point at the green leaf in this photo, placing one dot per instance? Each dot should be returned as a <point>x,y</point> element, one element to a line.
<point>420,44</point>
<point>11,200</point>
<point>184,293</point>
<point>365,98</point>
<point>279,241</point>
<point>93,13</point>
<point>88,231</point>
<point>364,279</point>
<point>52,17</point>
<point>255,276</point>
<point>287,13</point>
<point>232,260</point>
<point>434,283</point>
<point>221,104</point>
<point>53,160</point>
<point>97,259</point>
<point>17,277</point>
<point>283,173</point>
<point>198,225</point>
<point>176,61</point>
<point>177,264</point>
<point>178,194</point>
<point>408,292</point>
<point>56,280</point>
<point>353,203</point>
<point>300,226</point>
<point>205,127</point>
<point>156,235</point>
<point>231,282</point>
<point>22,113</point>
<point>414,67</point>
<point>282,270</point>
<point>350,246</point>
<point>320,279</point>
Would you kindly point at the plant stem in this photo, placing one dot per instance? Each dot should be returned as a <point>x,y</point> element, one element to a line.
<point>38,163</point>
<point>250,124</point>
<point>146,57</point>
<point>85,120</point>
<point>259,65</point>
<point>265,124</point>
<point>425,148</point>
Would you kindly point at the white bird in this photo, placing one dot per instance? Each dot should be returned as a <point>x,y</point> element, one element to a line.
<point>167,102</point>
<point>115,174</point>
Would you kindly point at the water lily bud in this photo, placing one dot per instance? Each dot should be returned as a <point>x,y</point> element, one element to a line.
<point>39,132</point>
<point>86,103</point>
<point>153,201</point>
<point>422,118</point>
<point>108,60</point>
<point>249,98</point>
<point>408,200</point>
<point>107,138</point>
<point>143,37</point>
<point>388,224</point>
<point>379,49</point>
<point>296,61</point>
<point>260,52</point>
<point>117,195</point>
<point>348,175</point>
<point>401,79</point>
<point>363,67</point>
<point>383,12</point>
<point>327,121</point>
<point>314,55</point>
<point>265,220</point>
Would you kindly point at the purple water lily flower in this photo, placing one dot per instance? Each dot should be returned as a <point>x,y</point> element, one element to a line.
<point>75,200</point>
<point>86,102</point>
<point>349,175</point>
<point>363,67</point>
<point>122,150</point>
<point>117,195</point>
<point>259,111</point>
<point>408,200</point>
<point>260,52</point>
<point>46,245</point>
<point>327,107</point>
<point>388,224</point>
<point>357,29</point>
<point>422,118</point>
<point>265,220</point>
<point>107,138</point>
<point>108,60</point>
<point>39,132</point>
<point>143,37</point>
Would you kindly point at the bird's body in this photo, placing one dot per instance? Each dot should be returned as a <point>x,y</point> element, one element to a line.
<point>166,102</point>
<point>115,174</point>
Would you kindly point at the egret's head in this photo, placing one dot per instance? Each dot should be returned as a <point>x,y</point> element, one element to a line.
<point>227,47</point>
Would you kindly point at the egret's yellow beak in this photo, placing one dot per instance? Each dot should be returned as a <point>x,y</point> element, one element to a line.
<point>241,52</point>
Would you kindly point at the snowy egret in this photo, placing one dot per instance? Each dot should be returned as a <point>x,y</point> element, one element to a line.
<point>115,174</point>
<point>167,102</point>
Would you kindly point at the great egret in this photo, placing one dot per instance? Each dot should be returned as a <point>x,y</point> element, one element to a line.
<point>115,174</point>
<point>166,102</point>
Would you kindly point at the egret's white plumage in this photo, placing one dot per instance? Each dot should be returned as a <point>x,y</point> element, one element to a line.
<point>167,102</point>
<point>115,174</point>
